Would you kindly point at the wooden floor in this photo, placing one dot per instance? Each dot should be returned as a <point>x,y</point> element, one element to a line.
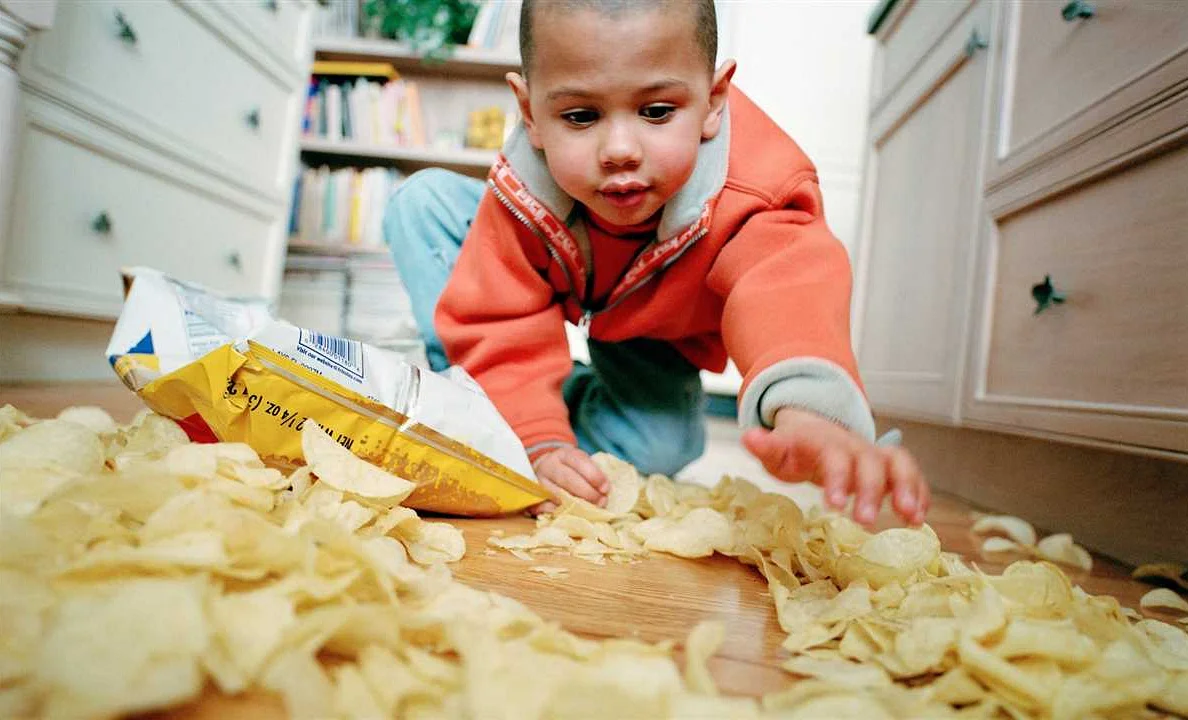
<point>660,598</point>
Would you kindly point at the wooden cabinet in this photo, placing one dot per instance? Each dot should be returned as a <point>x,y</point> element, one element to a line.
<point>922,188</point>
<point>174,122</point>
<point>1077,175</point>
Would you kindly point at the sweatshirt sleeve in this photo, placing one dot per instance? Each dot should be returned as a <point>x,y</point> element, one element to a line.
<point>786,284</point>
<point>497,318</point>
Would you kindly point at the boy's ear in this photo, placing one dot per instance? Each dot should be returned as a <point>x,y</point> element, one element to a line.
<point>519,86</point>
<point>719,90</point>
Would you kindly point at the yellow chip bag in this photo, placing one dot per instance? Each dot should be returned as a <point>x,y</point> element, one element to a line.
<point>225,369</point>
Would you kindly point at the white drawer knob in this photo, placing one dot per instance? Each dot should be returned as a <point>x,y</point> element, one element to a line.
<point>235,260</point>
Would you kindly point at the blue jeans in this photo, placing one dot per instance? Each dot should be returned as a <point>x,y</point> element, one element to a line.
<point>639,399</point>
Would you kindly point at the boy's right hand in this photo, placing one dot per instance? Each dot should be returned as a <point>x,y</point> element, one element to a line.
<point>572,470</point>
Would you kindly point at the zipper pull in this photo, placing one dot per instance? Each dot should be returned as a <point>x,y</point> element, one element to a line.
<point>584,323</point>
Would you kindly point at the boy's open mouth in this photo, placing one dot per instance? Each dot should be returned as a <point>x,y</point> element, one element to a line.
<point>624,196</point>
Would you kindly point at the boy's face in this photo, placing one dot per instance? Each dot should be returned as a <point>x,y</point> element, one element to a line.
<point>620,105</point>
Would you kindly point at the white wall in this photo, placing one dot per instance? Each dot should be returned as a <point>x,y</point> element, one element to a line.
<point>807,64</point>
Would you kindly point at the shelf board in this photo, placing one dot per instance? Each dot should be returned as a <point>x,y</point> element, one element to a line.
<point>464,159</point>
<point>308,248</point>
<point>466,61</point>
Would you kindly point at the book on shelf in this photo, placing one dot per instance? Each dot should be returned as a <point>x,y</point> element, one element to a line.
<point>366,111</point>
<point>496,27</point>
<point>342,207</point>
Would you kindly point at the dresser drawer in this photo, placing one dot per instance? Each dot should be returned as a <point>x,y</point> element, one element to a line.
<point>1119,343</point>
<point>277,24</point>
<point>908,37</point>
<point>78,216</point>
<point>1061,67</point>
<point>153,66</point>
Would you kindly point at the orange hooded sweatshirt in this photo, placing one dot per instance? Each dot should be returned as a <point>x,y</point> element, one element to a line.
<point>743,266</point>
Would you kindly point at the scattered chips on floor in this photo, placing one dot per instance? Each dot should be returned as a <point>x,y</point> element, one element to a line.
<point>1169,575</point>
<point>552,572</point>
<point>1016,529</point>
<point>1163,599</point>
<point>137,570</point>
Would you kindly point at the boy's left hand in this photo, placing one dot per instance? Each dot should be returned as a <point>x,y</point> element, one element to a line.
<point>806,446</point>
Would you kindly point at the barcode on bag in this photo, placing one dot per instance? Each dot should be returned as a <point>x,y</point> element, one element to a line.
<point>343,355</point>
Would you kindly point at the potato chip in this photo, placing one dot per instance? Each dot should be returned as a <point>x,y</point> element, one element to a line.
<point>1027,690</point>
<point>922,647</point>
<point>703,641</point>
<point>1167,644</point>
<point>343,470</point>
<point>1173,696</point>
<point>890,556</point>
<point>153,632</point>
<point>94,419</point>
<point>353,697</point>
<point>24,604</point>
<point>992,545</point>
<point>150,435</point>
<point>550,571</point>
<point>839,671</point>
<point>302,684</point>
<point>1061,548</point>
<point>12,420</point>
<point>1056,640</point>
<point>625,483</point>
<point>1164,599</point>
<point>956,687</point>
<point>52,444</point>
<point>1017,529</point>
<point>697,534</point>
<point>1170,575</point>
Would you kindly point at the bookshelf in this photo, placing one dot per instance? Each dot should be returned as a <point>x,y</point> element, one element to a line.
<point>465,160</point>
<point>463,62</point>
<point>377,111</point>
<point>303,247</point>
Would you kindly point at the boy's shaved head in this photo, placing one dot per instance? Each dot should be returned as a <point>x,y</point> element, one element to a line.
<point>706,20</point>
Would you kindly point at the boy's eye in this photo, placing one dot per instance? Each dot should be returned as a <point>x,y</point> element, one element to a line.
<point>579,118</point>
<point>657,113</point>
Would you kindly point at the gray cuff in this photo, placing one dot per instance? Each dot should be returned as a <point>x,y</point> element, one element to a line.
<point>811,384</point>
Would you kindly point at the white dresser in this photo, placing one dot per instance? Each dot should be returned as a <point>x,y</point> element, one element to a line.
<point>153,132</point>
<point>1024,262</point>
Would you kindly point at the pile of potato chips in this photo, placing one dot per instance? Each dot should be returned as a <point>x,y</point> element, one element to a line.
<point>137,569</point>
<point>888,625</point>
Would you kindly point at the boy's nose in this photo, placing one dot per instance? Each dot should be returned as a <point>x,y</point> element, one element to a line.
<point>620,147</point>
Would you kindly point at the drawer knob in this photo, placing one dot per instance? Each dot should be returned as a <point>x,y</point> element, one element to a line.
<point>102,224</point>
<point>253,119</point>
<point>127,34</point>
<point>235,260</point>
<point>272,5</point>
<point>1078,10</point>
<point>1046,295</point>
<point>975,43</point>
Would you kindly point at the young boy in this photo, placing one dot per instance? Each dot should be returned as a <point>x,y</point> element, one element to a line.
<point>647,201</point>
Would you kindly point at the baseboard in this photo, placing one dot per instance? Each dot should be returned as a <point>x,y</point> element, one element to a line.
<point>1126,506</point>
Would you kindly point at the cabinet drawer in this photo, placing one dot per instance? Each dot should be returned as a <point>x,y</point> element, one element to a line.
<point>1061,67</point>
<point>909,37</point>
<point>154,66</point>
<point>63,251</point>
<point>276,24</point>
<point>1119,343</point>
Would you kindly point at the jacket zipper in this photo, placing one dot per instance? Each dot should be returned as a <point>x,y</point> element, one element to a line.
<point>587,313</point>
<point>528,224</point>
